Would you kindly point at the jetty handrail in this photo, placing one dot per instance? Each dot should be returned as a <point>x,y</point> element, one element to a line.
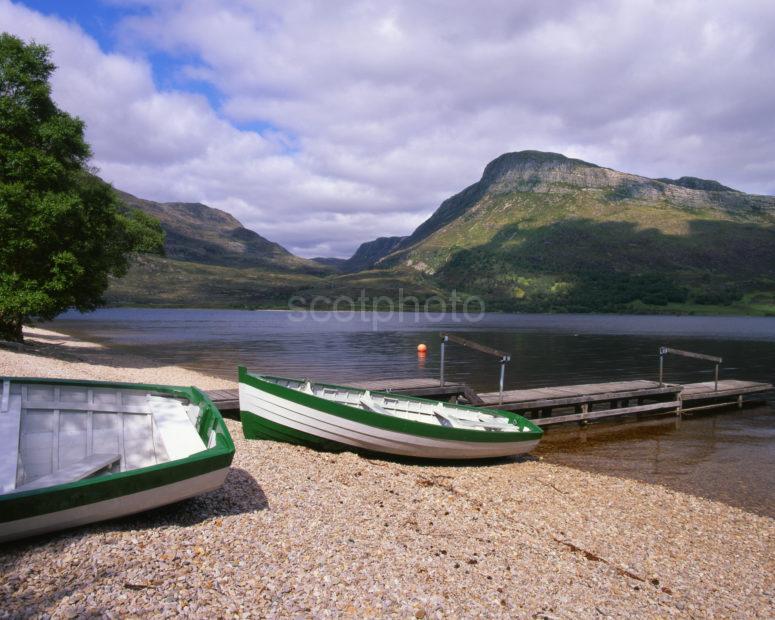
<point>503,355</point>
<point>474,345</point>
<point>699,356</point>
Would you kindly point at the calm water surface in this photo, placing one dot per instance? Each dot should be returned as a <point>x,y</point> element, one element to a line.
<point>728,456</point>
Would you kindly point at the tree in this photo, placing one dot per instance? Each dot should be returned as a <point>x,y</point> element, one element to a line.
<point>61,232</point>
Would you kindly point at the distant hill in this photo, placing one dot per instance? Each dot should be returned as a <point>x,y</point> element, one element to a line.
<point>201,234</point>
<point>210,260</point>
<point>154,281</point>
<point>334,263</point>
<point>370,253</point>
<point>541,231</point>
<point>365,256</point>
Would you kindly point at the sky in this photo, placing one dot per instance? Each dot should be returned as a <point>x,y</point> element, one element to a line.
<point>321,125</point>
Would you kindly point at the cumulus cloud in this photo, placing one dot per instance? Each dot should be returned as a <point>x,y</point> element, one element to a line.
<point>375,112</point>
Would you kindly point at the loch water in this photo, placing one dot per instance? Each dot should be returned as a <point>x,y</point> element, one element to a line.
<point>723,455</point>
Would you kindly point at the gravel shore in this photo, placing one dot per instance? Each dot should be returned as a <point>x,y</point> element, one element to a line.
<point>300,533</point>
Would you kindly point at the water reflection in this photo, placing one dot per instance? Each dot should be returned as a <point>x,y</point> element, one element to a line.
<point>723,456</point>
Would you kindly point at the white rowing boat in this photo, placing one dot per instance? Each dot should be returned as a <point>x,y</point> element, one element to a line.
<point>336,417</point>
<point>76,452</point>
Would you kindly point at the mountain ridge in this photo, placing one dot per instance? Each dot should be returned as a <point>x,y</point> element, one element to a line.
<point>537,172</point>
<point>199,233</point>
<point>697,183</point>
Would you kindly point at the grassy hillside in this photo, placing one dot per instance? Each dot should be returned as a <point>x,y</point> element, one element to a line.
<point>541,232</point>
<point>162,282</point>
<point>381,289</point>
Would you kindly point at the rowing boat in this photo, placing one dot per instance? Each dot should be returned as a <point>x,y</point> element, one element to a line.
<point>337,417</point>
<point>77,452</point>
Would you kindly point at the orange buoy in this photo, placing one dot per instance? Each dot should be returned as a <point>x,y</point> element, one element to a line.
<point>421,348</point>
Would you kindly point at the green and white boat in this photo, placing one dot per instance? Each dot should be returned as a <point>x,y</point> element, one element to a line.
<point>337,417</point>
<point>77,452</point>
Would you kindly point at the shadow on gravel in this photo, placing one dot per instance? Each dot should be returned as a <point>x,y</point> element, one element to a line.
<point>239,494</point>
<point>375,457</point>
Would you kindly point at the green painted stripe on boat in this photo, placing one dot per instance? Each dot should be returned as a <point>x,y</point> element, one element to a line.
<point>256,427</point>
<point>36,502</point>
<point>391,423</point>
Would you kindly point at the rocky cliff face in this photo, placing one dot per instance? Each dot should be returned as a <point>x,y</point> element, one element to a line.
<point>695,183</point>
<point>540,172</point>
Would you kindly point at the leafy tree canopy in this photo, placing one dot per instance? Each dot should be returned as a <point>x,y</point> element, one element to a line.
<point>62,234</point>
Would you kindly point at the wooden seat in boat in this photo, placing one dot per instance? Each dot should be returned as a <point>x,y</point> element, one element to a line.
<point>493,424</point>
<point>368,403</point>
<point>73,472</point>
<point>174,425</point>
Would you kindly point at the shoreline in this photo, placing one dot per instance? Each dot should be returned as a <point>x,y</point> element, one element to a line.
<point>52,354</point>
<point>670,311</point>
<point>299,532</point>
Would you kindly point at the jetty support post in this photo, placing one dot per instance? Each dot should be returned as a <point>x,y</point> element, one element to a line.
<point>662,353</point>
<point>441,366</point>
<point>504,360</point>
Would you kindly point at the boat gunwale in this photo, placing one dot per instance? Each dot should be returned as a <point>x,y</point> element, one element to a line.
<point>393,423</point>
<point>24,504</point>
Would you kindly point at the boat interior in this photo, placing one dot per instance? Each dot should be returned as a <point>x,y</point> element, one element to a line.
<point>425,411</point>
<point>54,433</point>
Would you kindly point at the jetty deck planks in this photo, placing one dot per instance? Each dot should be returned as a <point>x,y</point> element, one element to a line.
<point>726,388</point>
<point>572,394</point>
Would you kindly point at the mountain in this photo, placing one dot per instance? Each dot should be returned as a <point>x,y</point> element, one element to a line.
<point>154,281</point>
<point>365,256</point>
<point>201,234</point>
<point>538,232</point>
<point>541,231</point>
<point>370,252</point>
<point>210,260</point>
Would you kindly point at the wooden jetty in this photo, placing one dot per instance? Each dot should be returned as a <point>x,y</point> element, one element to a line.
<point>582,403</point>
<point>426,387</point>
<point>225,400</point>
<point>611,399</point>
<point>565,403</point>
<point>696,396</point>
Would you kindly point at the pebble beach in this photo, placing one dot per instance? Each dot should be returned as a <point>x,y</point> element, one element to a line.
<point>300,533</point>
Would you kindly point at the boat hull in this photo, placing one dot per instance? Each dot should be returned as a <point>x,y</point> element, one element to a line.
<point>266,415</point>
<point>112,508</point>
